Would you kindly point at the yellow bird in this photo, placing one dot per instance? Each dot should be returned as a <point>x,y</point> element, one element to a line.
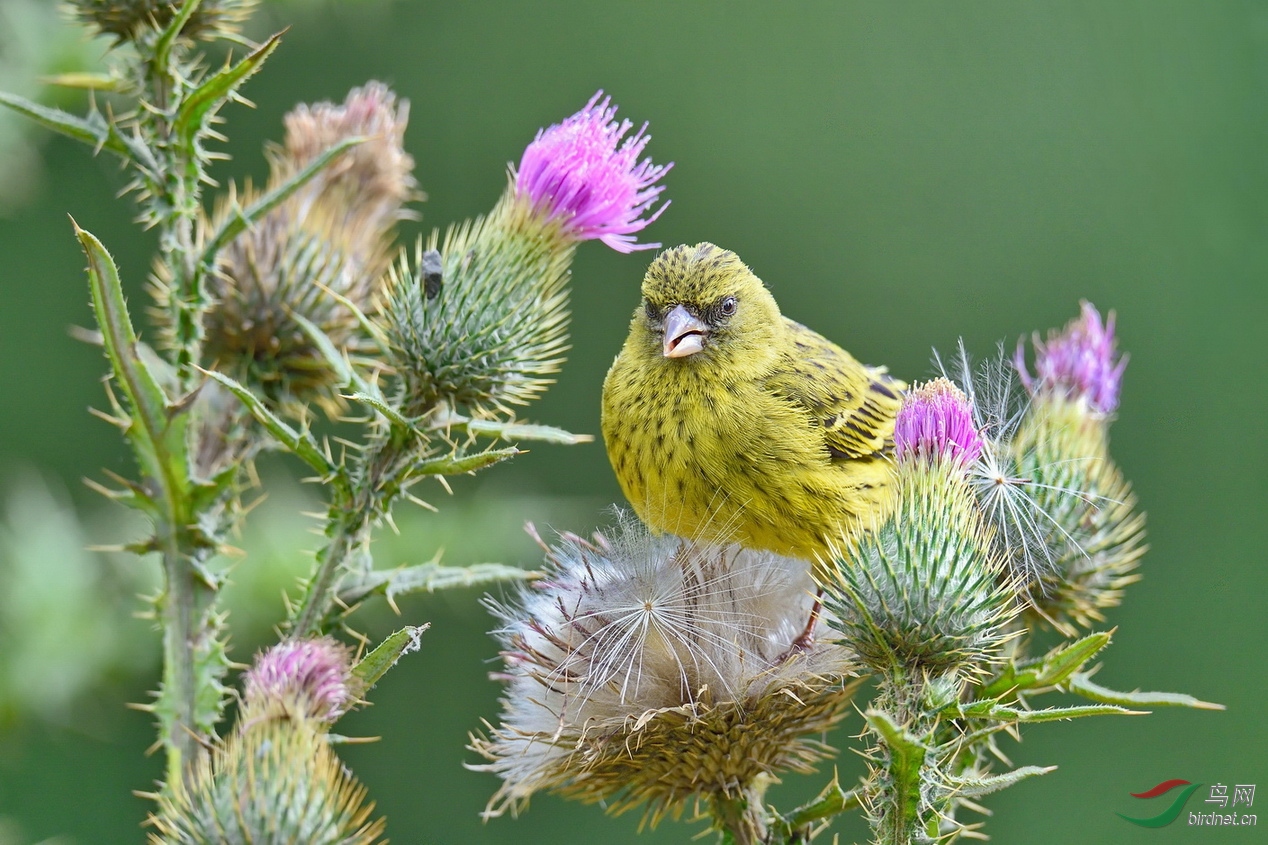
<point>727,422</point>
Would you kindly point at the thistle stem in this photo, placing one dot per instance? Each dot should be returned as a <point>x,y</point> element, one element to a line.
<point>742,818</point>
<point>379,479</point>
<point>172,192</point>
<point>187,603</point>
<point>897,815</point>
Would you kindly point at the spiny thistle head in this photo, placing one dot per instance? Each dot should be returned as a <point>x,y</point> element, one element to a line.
<point>480,321</point>
<point>1083,505</point>
<point>1080,363</point>
<point>135,20</point>
<point>922,590</point>
<point>333,235</point>
<point>582,175</point>
<point>648,669</point>
<point>274,780</point>
<point>313,675</point>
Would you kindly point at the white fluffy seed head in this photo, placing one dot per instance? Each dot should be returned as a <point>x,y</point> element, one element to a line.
<point>633,648</point>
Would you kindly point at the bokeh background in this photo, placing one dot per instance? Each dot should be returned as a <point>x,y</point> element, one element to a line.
<point>900,174</point>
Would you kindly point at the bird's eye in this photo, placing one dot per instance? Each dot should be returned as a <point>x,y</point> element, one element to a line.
<point>653,313</point>
<point>728,306</point>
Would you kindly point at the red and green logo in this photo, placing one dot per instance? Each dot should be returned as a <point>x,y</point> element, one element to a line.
<point>1170,814</point>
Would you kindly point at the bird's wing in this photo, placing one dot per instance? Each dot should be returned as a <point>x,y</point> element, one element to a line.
<point>854,404</point>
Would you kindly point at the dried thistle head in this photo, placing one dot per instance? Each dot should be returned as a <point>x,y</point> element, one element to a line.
<point>334,235</point>
<point>366,189</point>
<point>649,670</point>
<point>135,20</point>
<point>922,590</point>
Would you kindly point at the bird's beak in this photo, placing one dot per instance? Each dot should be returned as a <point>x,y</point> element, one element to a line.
<point>684,334</point>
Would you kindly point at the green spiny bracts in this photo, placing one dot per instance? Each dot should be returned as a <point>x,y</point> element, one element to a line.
<point>921,591</point>
<point>486,330</point>
<point>1097,535</point>
<point>137,20</point>
<point>275,781</point>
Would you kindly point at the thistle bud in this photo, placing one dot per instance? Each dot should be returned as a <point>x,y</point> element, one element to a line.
<point>921,591</point>
<point>276,778</point>
<point>649,669</point>
<point>1093,528</point>
<point>493,332</point>
<point>334,234</point>
<point>312,675</point>
<point>135,20</point>
<point>1079,365</point>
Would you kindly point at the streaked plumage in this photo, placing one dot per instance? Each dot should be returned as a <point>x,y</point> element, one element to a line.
<point>738,424</point>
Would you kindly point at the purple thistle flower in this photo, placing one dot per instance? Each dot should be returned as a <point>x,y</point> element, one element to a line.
<point>316,670</point>
<point>576,171</point>
<point>1080,361</point>
<point>936,420</point>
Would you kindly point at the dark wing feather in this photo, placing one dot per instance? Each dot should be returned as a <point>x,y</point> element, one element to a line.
<point>853,403</point>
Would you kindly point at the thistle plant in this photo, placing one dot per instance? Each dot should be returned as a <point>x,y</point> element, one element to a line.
<point>273,306</point>
<point>648,670</point>
<point>641,670</point>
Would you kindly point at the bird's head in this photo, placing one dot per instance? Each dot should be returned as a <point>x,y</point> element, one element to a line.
<point>702,303</point>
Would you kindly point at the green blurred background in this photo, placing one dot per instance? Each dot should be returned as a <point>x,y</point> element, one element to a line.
<point>900,174</point>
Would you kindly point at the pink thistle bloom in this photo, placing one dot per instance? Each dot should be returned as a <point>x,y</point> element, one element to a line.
<point>578,174</point>
<point>936,420</point>
<point>1079,362</point>
<point>315,670</point>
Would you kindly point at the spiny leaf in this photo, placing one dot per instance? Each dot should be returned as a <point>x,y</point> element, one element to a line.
<point>94,130</point>
<point>163,47</point>
<point>977,787</point>
<point>1050,670</point>
<point>378,403</point>
<point>237,223</point>
<point>460,464</point>
<point>1057,714</point>
<point>204,101</point>
<point>830,802</point>
<point>510,430</point>
<point>427,578</point>
<point>328,350</point>
<point>1082,685</point>
<point>374,665</point>
<point>300,443</point>
<point>157,437</point>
